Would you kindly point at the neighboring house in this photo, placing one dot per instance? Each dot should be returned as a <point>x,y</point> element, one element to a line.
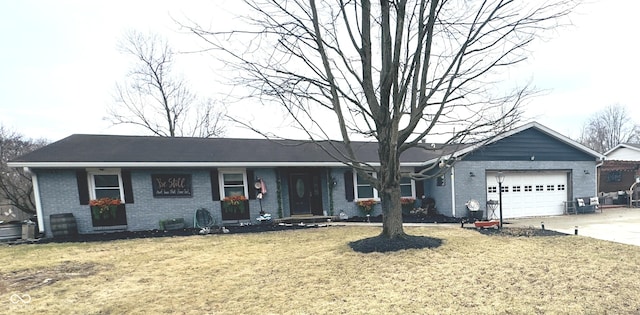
<point>618,172</point>
<point>163,178</point>
<point>624,152</point>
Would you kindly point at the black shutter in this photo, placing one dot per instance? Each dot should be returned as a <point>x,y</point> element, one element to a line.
<point>419,188</point>
<point>83,186</point>
<point>250,185</point>
<point>419,185</point>
<point>348,185</point>
<point>127,186</point>
<point>215,185</point>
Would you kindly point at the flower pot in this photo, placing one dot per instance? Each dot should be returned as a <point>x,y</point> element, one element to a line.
<point>235,212</point>
<point>172,224</point>
<point>112,216</point>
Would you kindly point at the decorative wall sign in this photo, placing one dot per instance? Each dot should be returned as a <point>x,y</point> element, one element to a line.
<point>171,185</point>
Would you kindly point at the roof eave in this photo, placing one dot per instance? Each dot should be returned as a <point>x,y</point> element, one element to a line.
<point>70,165</point>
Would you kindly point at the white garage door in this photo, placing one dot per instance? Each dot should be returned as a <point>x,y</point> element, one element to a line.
<point>527,194</point>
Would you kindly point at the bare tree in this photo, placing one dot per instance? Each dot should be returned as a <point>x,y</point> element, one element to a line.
<point>609,127</point>
<point>16,189</point>
<point>394,71</point>
<point>157,100</point>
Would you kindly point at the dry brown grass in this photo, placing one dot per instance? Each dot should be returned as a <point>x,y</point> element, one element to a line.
<point>316,272</point>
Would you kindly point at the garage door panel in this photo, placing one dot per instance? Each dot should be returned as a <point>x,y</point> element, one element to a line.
<point>530,193</point>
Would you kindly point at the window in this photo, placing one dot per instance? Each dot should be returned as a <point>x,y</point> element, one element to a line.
<point>528,188</point>
<point>561,187</point>
<point>505,189</point>
<point>516,188</point>
<point>105,184</point>
<point>440,180</point>
<point>614,176</point>
<point>364,190</point>
<point>406,187</point>
<point>233,183</point>
<point>492,189</point>
<point>551,187</point>
<point>539,188</point>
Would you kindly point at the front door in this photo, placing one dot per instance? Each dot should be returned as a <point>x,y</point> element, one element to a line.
<point>305,193</point>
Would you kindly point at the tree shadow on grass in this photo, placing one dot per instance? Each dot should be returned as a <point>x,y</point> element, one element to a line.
<point>379,244</point>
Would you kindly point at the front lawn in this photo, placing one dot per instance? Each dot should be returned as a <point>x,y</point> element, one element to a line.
<point>315,271</point>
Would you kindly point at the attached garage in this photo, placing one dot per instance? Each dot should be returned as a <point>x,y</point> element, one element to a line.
<point>543,170</point>
<point>530,193</point>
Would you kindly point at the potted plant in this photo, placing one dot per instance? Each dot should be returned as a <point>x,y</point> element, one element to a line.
<point>104,208</point>
<point>407,204</point>
<point>172,224</point>
<point>366,205</point>
<point>235,208</point>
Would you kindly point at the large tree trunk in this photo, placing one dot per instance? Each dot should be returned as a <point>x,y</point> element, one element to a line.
<point>391,213</point>
<point>389,191</point>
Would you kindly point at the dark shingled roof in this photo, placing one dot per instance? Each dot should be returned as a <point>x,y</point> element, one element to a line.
<point>148,149</point>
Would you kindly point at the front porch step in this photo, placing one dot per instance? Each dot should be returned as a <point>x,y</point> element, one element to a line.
<point>306,219</point>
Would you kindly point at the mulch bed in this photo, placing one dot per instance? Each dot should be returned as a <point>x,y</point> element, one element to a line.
<point>381,244</point>
<point>519,232</point>
<point>409,218</point>
<point>124,235</point>
<point>368,245</point>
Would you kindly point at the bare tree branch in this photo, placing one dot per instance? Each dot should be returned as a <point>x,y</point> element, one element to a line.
<point>394,71</point>
<point>153,98</point>
<point>16,189</point>
<point>609,127</point>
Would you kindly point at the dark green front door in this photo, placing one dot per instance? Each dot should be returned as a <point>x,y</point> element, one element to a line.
<point>305,193</point>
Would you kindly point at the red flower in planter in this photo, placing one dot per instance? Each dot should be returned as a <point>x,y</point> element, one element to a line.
<point>366,205</point>
<point>105,206</point>
<point>234,200</point>
<point>233,204</point>
<point>407,201</point>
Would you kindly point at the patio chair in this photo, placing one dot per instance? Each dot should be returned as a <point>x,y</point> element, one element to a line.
<point>203,220</point>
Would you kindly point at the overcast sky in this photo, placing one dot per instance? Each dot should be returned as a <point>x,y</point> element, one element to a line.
<point>59,63</point>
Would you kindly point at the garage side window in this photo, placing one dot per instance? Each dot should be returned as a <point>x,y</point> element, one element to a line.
<point>492,189</point>
<point>106,186</point>
<point>440,180</point>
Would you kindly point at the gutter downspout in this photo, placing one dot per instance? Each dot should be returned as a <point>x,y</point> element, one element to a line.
<point>453,192</point>
<point>36,195</point>
<point>598,176</point>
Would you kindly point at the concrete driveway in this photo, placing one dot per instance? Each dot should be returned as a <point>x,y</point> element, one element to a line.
<point>621,225</point>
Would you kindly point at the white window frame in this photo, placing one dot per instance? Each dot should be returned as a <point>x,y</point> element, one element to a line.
<point>413,189</point>
<point>355,186</point>
<point>375,191</point>
<point>92,182</point>
<point>221,173</point>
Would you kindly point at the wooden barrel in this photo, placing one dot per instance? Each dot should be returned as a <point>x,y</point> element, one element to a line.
<point>63,225</point>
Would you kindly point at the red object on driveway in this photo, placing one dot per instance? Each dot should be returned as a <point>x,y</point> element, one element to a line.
<point>487,224</point>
